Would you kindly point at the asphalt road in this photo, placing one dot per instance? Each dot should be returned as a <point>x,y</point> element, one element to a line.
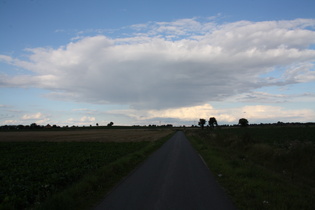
<point>174,177</point>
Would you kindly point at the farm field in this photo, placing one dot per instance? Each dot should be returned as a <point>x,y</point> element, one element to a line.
<point>262,167</point>
<point>87,135</point>
<point>58,166</point>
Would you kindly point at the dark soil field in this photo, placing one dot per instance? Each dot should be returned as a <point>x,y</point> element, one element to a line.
<point>89,135</point>
<point>51,169</point>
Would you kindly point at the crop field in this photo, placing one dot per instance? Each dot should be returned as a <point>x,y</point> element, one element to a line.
<point>36,165</point>
<point>273,134</point>
<point>86,135</point>
<point>262,167</point>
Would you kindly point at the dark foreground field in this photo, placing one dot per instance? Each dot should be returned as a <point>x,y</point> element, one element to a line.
<point>259,167</point>
<point>262,167</point>
<point>52,169</point>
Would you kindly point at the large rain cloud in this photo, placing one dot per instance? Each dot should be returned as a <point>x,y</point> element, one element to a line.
<point>164,65</point>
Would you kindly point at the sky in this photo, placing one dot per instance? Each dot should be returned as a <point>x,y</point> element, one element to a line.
<point>141,62</point>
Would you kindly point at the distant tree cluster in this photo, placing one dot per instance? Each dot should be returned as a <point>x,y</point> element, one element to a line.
<point>243,122</point>
<point>212,122</point>
<point>110,124</point>
<point>32,126</point>
<point>156,126</point>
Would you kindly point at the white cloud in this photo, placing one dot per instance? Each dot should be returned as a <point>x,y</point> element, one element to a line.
<point>5,58</point>
<point>183,113</point>
<point>38,118</point>
<point>266,113</point>
<point>300,73</point>
<point>255,114</point>
<point>263,97</point>
<point>87,119</point>
<point>260,97</point>
<point>35,116</point>
<point>10,122</point>
<point>185,63</point>
<point>4,106</point>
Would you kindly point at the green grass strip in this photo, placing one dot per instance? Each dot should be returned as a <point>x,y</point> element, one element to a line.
<point>251,185</point>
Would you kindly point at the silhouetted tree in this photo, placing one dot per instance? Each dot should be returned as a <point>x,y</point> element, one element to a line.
<point>243,122</point>
<point>202,122</point>
<point>110,124</point>
<point>19,127</point>
<point>48,126</point>
<point>213,122</point>
<point>34,126</point>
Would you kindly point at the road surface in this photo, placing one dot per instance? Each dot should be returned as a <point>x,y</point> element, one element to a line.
<point>174,177</point>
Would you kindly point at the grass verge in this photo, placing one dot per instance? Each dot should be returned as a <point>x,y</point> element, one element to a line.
<point>249,171</point>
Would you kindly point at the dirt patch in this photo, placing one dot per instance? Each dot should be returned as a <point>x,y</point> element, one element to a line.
<point>110,135</point>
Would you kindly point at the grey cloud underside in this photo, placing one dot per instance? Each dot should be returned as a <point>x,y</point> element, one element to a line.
<point>153,72</point>
<point>161,90</point>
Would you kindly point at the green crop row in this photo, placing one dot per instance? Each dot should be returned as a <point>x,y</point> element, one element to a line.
<point>30,172</point>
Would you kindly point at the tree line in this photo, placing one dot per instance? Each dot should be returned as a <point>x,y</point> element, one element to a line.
<point>212,122</point>
<point>34,126</point>
<point>243,122</point>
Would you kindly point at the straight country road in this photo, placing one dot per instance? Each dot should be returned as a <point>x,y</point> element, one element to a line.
<point>174,177</point>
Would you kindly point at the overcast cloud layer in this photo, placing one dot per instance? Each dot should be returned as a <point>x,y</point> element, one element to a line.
<point>169,65</point>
